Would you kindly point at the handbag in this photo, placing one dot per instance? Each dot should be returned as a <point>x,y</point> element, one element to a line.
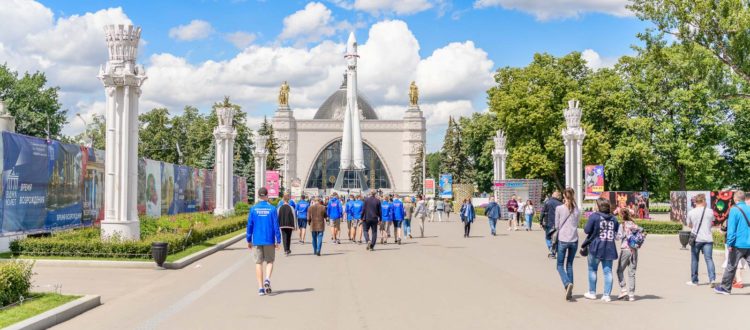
<point>694,236</point>
<point>555,232</point>
<point>590,238</point>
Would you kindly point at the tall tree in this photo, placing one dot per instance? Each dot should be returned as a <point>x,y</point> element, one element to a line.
<point>477,134</point>
<point>417,171</point>
<point>35,106</point>
<point>157,140</point>
<point>738,146</point>
<point>453,157</point>
<point>95,132</point>
<point>273,162</point>
<point>433,164</point>
<point>194,135</point>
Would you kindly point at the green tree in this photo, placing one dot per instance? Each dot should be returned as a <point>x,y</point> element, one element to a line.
<point>157,140</point>
<point>273,162</point>
<point>96,131</point>
<point>417,185</point>
<point>194,134</point>
<point>36,107</point>
<point>477,134</point>
<point>738,146</point>
<point>433,164</point>
<point>453,158</point>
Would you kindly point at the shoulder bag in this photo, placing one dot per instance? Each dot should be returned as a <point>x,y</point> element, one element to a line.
<point>556,233</point>
<point>694,236</point>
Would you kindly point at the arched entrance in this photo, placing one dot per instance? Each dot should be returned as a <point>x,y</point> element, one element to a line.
<point>326,168</point>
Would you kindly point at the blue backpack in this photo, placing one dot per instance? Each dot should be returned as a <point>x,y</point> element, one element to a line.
<point>636,238</point>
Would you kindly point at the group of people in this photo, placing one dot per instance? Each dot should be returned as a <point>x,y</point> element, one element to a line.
<point>438,207</point>
<point>517,210</point>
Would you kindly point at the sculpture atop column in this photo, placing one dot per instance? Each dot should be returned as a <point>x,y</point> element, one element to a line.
<point>499,155</point>
<point>573,136</point>
<point>413,95</point>
<point>352,163</point>
<point>224,134</point>
<point>260,154</point>
<point>122,80</point>
<point>284,96</point>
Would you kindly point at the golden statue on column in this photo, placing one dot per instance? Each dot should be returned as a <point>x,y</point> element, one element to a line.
<point>284,94</point>
<point>413,94</point>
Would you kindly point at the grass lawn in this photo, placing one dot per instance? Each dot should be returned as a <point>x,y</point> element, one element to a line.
<point>41,303</point>
<point>170,258</point>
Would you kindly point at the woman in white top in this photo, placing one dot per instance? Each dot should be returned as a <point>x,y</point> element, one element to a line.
<point>528,211</point>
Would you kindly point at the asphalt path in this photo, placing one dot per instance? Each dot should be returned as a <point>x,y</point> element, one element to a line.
<point>441,281</point>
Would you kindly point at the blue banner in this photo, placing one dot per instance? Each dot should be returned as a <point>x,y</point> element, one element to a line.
<point>446,186</point>
<point>25,180</point>
<point>65,187</point>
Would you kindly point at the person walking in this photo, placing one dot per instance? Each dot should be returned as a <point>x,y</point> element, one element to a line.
<point>547,219</point>
<point>448,209</point>
<point>467,211</point>
<point>263,234</point>
<point>431,209</point>
<point>493,213</point>
<point>372,218</point>
<point>566,225</point>
<point>519,213</point>
<point>738,240</point>
<point>301,209</point>
<point>287,223</point>
<point>351,224</point>
<point>317,215</point>
<point>628,257</point>
<point>386,217</point>
<point>439,209</point>
<point>408,215</point>
<point>355,214</point>
<point>335,213</point>
<point>421,212</point>
<point>601,228</point>
<point>399,214</point>
<point>700,220</point>
<point>512,207</point>
<point>528,211</point>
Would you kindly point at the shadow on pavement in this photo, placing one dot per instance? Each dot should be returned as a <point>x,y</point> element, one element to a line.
<point>648,297</point>
<point>278,292</point>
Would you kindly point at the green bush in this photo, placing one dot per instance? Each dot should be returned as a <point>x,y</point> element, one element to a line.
<point>15,281</point>
<point>87,242</point>
<point>241,208</point>
<point>651,227</point>
<point>480,211</point>
<point>719,239</point>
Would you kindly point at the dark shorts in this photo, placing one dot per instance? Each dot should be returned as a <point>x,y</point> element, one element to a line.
<point>302,223</point>
<point>397,223</point>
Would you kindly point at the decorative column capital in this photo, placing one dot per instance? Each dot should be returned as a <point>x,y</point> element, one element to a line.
<point>260,145</point>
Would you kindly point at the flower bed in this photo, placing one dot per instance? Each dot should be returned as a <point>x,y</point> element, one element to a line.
<point>180,231</point>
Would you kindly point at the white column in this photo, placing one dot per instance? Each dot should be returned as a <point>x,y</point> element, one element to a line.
<point>260,154</point>
<point>573,136</point>
<point>224,134</point>
<point>122,80</point>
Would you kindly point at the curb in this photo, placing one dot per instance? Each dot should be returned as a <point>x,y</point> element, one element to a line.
<point>58,314</point>
<point>185,261</point>
<point>179,264</point>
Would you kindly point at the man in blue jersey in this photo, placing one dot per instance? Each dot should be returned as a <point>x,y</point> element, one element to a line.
<point>335,212</point>
<point>301,209</point>
<point>355,216</point>
<point>386,214</point>
<point>291,201</point>
<point>263,233</point>
<point>398,218</point>
<point>350,226</point>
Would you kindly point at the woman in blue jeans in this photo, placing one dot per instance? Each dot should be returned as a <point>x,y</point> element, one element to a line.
<point>566,223</point>
<point>601,229</point>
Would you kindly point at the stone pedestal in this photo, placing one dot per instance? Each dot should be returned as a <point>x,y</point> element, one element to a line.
<point>260,154</point>
<point>285,131</point>
<point>122,80</point>
<point>224,169</point>
<point>573,136</point>
<point>414,133</point>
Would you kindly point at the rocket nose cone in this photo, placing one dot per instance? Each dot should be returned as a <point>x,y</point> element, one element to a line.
<point>351,44</point>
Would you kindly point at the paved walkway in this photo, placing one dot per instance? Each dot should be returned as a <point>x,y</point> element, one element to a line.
<point>443,281</point>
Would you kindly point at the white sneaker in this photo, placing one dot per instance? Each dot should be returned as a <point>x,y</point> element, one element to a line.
<point>623,294</point>
<point>691,283</point>
<point>606,299</point>
<point>589,295</point>
<point>631,298</point>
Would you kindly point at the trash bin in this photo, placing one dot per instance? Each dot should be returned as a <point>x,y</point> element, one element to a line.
<point>159,252</point>
<point>684,238</point>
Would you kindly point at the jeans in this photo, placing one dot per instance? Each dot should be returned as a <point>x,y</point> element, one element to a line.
<point>734,259</point>
<point>707,248</point>
<point>606,268</point>
<point>628,261</point>
<point>566,253</point>
<point>407,227</point>
<point>371,232</point>
<point>528,220</point>
<point>317,241</point>
<point>286,235</point>
<point>493,225</point>
<point>467,228</point>
<point>421,225</point>
<point>549,242</point>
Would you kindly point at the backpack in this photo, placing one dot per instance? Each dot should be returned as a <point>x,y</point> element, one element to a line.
<point>636,239</point>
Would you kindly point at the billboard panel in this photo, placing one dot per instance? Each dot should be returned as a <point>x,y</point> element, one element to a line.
<point>272,184</point>
<point>446,186</point>
<point>594,181</point>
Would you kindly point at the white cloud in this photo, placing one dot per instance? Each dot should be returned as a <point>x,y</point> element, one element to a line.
<point>454,71</point>
<point>378,7</point>
<point>437,113</point>
<point>195,30</point>
<point>596,61</point>
<point>310,24</point>
<point>87,109</point>
<point>551,9</point>
<point>241,39</point>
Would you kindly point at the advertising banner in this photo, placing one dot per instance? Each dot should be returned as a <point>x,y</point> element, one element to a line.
<point>93,187</point>
<point>65,187</point>
<point>296,189</point>
<point>594,180</point>
<point>272,184</point>
<point>678,206</point>
<point>181,178</point>
<point>636,202</point>
<point>25,180</point>
<point>153,188</point>
<point>721,203</point>
<point>446,186</point>
<point>167,188</point>
<point>429,188</point>
<point>524,190</point>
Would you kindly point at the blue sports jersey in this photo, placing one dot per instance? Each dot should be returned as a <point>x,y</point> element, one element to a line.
<point>263,225</point>
<point>398,210</point>
<point>335,209</point>
<point>302,209</point>
<point>386,211</point>
<point>356,209</point>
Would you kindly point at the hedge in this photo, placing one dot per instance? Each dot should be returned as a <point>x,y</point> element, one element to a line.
<point>15,281</point>
<point>88,243</point>
<point>651,227</point>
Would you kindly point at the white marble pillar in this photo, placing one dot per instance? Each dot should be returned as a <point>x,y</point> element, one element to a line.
<point>224,134</point>
<point>260,154</point>
<point>499,156</point>
<point>122,80</point>
<point>573,136</point>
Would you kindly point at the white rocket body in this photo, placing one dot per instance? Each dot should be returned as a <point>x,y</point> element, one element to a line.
<point>352,154</point>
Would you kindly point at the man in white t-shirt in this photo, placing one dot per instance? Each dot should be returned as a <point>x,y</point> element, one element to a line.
<point>700,219</point>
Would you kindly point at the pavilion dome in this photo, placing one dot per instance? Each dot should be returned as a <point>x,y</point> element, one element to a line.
<point>334,106</point>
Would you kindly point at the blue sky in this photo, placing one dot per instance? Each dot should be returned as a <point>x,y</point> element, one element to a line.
<point>450,47</point>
